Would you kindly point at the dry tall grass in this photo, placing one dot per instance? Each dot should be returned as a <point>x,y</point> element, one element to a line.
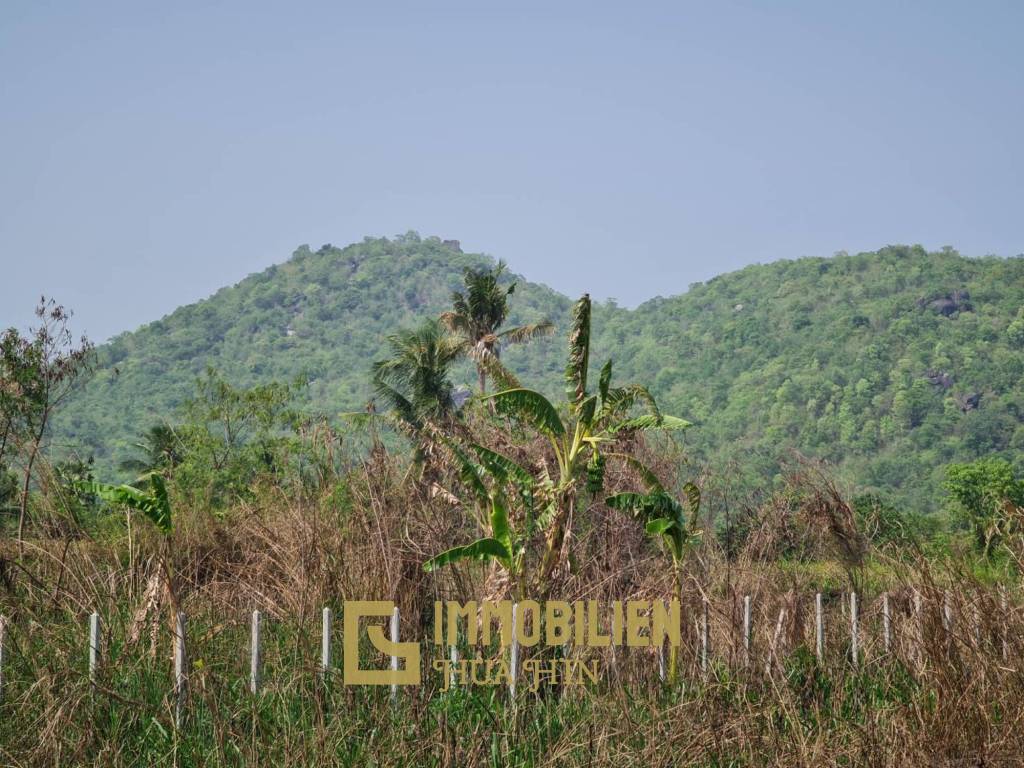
<point>949,692</point>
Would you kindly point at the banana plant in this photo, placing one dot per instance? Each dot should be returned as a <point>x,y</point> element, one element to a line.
<point>491,477</point>
<point>155,505</point>
<point>577,435</point>
<point>664,519</point>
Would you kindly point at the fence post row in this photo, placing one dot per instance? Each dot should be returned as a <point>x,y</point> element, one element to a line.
<point>773,654</point>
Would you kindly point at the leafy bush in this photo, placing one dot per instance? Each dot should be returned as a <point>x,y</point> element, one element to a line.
<point>980,492</point>
<point>884,523</point>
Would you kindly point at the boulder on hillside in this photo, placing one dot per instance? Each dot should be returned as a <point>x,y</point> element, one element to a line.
<point>939,379</point>
<point>967,401</point>
<point>950,304</point>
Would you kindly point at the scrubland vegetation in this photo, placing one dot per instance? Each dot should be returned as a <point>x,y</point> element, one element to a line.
<point>244,499</point>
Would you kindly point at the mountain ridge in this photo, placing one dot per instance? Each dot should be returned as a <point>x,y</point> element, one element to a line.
<point>868,360</point>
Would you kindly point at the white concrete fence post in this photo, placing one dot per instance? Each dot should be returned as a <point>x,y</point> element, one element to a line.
<point>919,627</point>
<point>854,630</point>
<point>255,649</point>
<point>819,628</point>
<point>180,670</point>
<point>453,656</point>
<point>3,646</point>
<point>94,646</point>
<point>513,667</point>
<point>1004,634</point>
<point>976,625</point>
<point>615,658</point>
<point>660,654</point>
<point>327,620</point>
<point>747,628</point>
<point>394,659</point>
<point>947,621</point>
<point>886,624</point>
<point>773,648</point>
<point>705,638</point>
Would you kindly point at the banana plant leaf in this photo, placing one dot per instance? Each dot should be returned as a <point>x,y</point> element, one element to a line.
<point>481,549</point>
<point>532,408</point>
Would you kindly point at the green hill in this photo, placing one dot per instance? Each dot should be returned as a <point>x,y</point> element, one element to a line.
<point>888,364</point>
<point>323,315</point>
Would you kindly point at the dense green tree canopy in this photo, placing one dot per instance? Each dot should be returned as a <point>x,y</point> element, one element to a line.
<point>890,364</point>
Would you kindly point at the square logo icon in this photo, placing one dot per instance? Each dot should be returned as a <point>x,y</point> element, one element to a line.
<point>355,610</point>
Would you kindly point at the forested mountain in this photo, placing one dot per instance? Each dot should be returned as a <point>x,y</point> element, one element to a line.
<point>888,364</point>
<point>323,315</point>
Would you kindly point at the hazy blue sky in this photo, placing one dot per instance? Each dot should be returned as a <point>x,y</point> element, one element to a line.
<point>153,152</point>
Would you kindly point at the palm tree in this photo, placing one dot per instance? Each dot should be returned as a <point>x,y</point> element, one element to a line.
<point>159,448</point>
<point>478,314</point>
<point>414,380</point>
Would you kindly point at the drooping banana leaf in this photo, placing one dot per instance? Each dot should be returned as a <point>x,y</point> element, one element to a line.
<point>470,473</point>
<point>501,467</point>
<point>658,526</point>
<point>660,514</point>
<point>500,529</point>
<point>154,506</point>
<point>618,401</point>
<point>531,408</point>
<point>481,549</point>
